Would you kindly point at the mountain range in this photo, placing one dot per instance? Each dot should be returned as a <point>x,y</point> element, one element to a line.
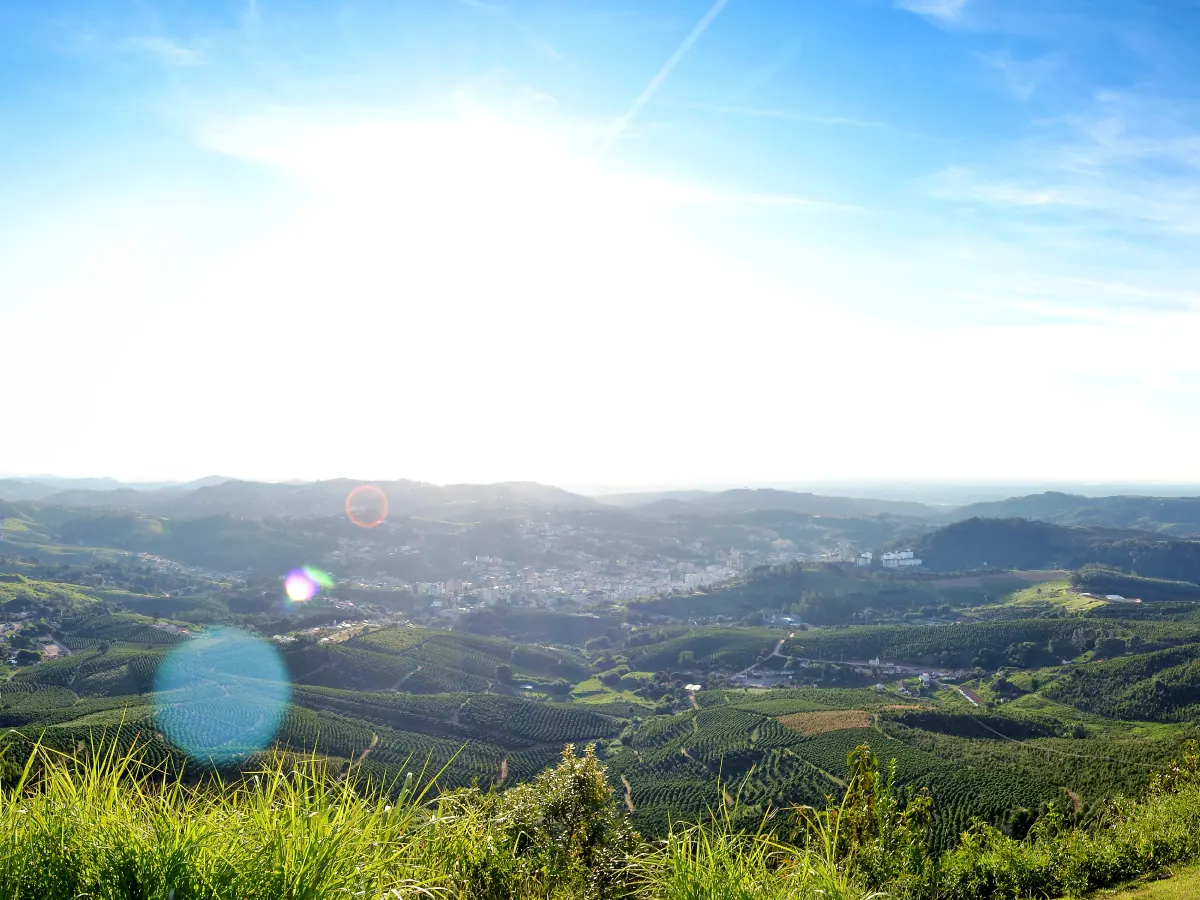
<point>1168,515</point>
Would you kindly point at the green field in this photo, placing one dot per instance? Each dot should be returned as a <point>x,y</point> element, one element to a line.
<point>1056,593</point>
<point>391,699</point>
<point>1182,886</point>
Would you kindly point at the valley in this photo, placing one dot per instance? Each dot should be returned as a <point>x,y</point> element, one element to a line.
<point>1001,692</point>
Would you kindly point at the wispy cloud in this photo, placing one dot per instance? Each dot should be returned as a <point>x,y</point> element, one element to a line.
<point>1021,77</point>
<point>163,49</point>
<point>663,74</point>
<point>1129,158</point>
<point>1131,204</point>
<point>507,15</point>
<point>943,10</point>
<point>783,115</point>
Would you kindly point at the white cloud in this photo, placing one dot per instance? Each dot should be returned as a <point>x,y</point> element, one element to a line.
<point>1021,77</point>
<point>164,50</point>
<point>476,164</point>
<point>943,10</point>
<point>1133,160</point>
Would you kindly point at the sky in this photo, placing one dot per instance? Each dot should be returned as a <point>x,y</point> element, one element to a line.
<point>622,242</point>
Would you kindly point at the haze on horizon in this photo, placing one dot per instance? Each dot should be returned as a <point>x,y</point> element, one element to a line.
<point>660,243</point>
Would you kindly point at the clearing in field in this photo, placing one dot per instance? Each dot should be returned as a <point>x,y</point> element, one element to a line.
<point>810,723</point>
<point>1029,576</point>
<point>1056,592</point>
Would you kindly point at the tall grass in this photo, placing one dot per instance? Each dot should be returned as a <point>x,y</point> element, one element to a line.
<point>104,824</point>
<point>717,862</point>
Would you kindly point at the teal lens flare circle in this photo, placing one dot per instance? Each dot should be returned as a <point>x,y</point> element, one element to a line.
<point>222,696</point>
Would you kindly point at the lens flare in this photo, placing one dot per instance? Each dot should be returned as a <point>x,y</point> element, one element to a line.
<point>366,506</point>
<point>221,696</point>
<point>323,579</point>
<point>299,587</point>
<point>303,584</point>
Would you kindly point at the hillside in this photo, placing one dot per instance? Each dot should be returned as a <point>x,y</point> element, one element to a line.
<point>1177,516</point>
<point>99,824</point>
<point>747,500</point>
<point>1029,544</point>
<point>16,490</point>
<point>249,499</point>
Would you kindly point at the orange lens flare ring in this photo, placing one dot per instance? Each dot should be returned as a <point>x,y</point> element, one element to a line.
<point>366,506</point>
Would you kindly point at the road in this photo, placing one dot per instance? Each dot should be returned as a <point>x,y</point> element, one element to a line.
<point>774,652</point>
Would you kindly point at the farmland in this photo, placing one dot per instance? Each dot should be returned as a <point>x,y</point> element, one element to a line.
<point>488,710</point>
<point>813,723</point>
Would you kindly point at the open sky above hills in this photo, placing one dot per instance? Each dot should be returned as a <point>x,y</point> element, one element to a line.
<point>659,242</point>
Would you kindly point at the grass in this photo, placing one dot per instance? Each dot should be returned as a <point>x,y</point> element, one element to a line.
<point>110,826</point>
<point>810,723</point>
<point>107,826</point>
<point>593,691</point>
<point>44,592</point>
<point>1182,886</point>
<point>1057,593</point>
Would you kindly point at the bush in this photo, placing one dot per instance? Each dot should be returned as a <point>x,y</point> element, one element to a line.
<point>109,825</point>
<point>560,834</point>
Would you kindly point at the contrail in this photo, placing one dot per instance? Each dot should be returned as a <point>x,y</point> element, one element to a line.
<point>663,73</point>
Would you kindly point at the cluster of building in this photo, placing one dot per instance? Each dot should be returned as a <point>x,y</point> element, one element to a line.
<point>493,581</point>
<point>895,559</point>
<point>579,565</point>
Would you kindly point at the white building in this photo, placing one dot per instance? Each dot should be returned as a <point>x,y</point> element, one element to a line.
<point>898,559</point>
<point>864,559</point>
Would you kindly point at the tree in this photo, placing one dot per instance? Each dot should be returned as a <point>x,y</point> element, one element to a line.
<point>28,657</point>
<point>876,830</point>
<point>613,677</point>
<point>564,824</point>
<point>504,673</point>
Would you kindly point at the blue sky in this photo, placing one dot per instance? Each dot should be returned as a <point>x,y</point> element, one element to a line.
<point>591,242</point>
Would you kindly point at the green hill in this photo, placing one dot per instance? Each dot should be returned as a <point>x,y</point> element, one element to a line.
<point>1179,516</point>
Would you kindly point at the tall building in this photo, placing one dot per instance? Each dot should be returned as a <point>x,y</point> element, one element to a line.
<point>899,559</point>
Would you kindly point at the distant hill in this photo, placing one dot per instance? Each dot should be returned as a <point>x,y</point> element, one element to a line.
<point>121,498</point>
<point>260,500</point>
<point>468,502</point>
<point>1029,544</point>
<point>747,500</point>
<point>1010,543</point>
<point>1179,516</point>
<point>93,491</point>
<point>16,490</point>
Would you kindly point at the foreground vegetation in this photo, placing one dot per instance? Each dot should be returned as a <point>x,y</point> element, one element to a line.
<point>104,824</point>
